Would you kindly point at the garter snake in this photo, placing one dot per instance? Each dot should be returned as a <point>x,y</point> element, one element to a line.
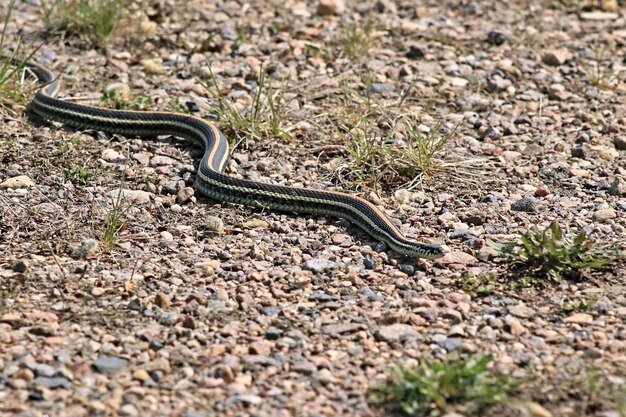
<point>211,179</point>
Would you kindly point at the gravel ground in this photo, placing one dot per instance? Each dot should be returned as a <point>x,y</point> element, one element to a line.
<point>196,308</point>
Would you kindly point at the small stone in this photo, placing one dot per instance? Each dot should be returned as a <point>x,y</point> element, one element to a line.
<point>415,52</point>
<point>402,196</point>
<point>159,364</point>
<point>304,367</point>
<point>526,204</point>
<point>260,347</point>
<point>394,332</point>
<point>522,311</point>
<point>141,375</point>
<point>319,265</point>
<point>458,257</point>
<point>52,382</point>
<point>137,197</point>
<point>127,410</point>
<point>620,143</point>
<point>254,223</point>
<point>160,160</point>
<point>575,172</point>
<point>184,194</point>
<point>603,215</point>
<point>618,186</point>
<point>214,224</point>
<point>579,318</point>
<point>496,37</point>
<point>381,88</point>
<point>342,328</point>
<point>20,266</point>
<point>162,301</point>
<point>598,15</point>
<point>328,7</point>
<point>111,155</point>
<point>513,325</point>
<point>97,291</point>
<point>120,89</point>
<point>556,57</point>
<point>537,410</point>
<point>21,181</point>
<point>245,399</point>
<point>150,66</point>
<point>148,28</point>
<point>109,364</point>
<point>189,323</point>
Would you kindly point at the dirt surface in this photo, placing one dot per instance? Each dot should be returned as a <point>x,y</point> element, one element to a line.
<point>286,315</point>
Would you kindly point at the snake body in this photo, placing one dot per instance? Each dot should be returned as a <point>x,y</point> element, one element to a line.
<point>211,179</point>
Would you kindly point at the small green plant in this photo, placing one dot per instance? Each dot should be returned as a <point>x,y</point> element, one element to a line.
<point>357,40</point>
<point>96,19</point>
<point>481,285</point>
<point>115,100</point>
<point>598,73</point>
<point>113,220</point>
<point>583,305</point>
<point>78,175</point>
<point>262,119</point>
<point>549,253</point>
<point>434,388</point>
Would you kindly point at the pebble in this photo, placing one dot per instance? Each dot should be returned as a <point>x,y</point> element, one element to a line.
<point>21,181</point>
<point>394,332</point>
<point>618,186</point>
<point>402,196</point>
<point>458,257</point>
<point>329,7</point>
<point>620,143</point>
<point>537,410</point>
<point>522,311</point>
<point>214,224</point>
<point>381,88</point>
<point>319,265</point>
<point>526,204</point>
<point>184,195</point>
<point>603,215</point>
<point>556,57</point>
<point>245,399</point>
<point>496,37</point>
<point>151,66</point>
<point>111,155</point>
<point>343,328</point>
<point>579,318</point>
<point>109,364</point>
<point>122,89</point>
<point>137,197</point>
<point>53,382</point>
<point>20,266</point>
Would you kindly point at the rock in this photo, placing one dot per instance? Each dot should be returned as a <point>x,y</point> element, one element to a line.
<point>160,160</point>
<point>458,257</point>
<point>394,332</point>
<point>620,143</point>
<point>537,410</point>
<point>603,215</point>
<point>304,367</point>
<point>415,52</point>
<point>342,328</point>
<point>159,364</point>
<point>121,89</point>
<point>150,66</point>
<point>526,204</point>
<point>579,318</point>
<point>522,311</point>
<point>141,375</point>
<point>52,382</point>
<point>319,265</point>
<point>184,195</point>
<point>328,7</point>
<point>402,196</point>
<point>20,266</point>
<point>189,323</point>
<point>513,325</point>
<point>109,364</point>
<point>97,291</point>
<point>618,186</point>
<point>598,15</point>
<point>556,57</point>
<point>86,248</point>
<point>111,155</point>
<point>162,301</point>
<point>245,399</point>
<point>382,88</point>
<point>21,181</point>
<point>214,224</point>
<point>148,28</point>
<point>496,37</point>
<point>137,197</point>
<point>254,223</point>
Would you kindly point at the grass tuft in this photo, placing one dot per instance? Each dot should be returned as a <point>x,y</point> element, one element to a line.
<point>549,253</point>
<point>261,119</point>
<point>433,388</point>
<point>113,221</point>
<point>95,19</point>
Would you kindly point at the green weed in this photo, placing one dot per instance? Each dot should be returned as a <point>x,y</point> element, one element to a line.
<point>481,285</point>
<point>356,41</point>
<point>434,388</point>
<point>95,19</point>
<point>112,221</point>
<point>598,73</point>
<point>77,175</point>
<point>114,100</point>
<point>262,119</point>
<point>549,253</point>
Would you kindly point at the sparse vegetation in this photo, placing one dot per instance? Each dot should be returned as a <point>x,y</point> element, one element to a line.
<point>79,175</point>
<point>357,40</point>
<point>434,388</point>
<point>94,19</point>
<point>549,253</point>
<point>598,73</point>
<point>261,119</point>
<point>112,221</point>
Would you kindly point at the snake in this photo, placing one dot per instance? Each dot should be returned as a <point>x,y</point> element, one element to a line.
<point>211,180</point>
